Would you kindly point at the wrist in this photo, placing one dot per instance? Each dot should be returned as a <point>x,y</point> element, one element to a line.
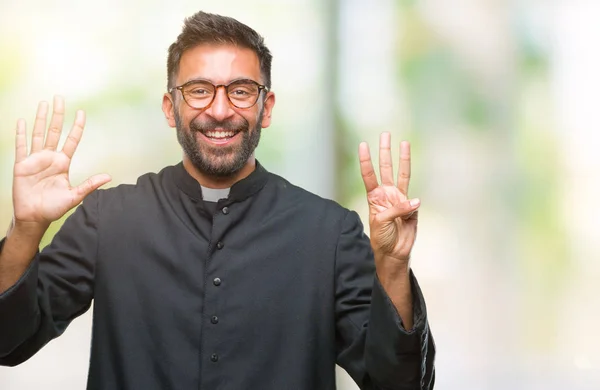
<point>391,264</point>
<point>393,275</point>
<point>34,230</point>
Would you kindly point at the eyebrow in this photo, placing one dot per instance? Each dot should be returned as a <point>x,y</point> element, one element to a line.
<point>212,81</point>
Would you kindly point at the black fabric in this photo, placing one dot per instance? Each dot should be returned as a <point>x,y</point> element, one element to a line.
<point>210,207</point>
<point>267,290</point>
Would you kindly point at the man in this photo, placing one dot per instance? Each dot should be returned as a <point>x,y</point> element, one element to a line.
<point>214,273</point>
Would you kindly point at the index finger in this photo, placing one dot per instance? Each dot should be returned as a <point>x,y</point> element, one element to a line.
<point>366,167</point>
<point>74,135</point>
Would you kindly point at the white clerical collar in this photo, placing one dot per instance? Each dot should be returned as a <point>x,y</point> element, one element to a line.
<point>214,194</point>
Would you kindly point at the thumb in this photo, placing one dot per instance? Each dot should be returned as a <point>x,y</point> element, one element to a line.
<point>88,186</point>
<point>403,210</point>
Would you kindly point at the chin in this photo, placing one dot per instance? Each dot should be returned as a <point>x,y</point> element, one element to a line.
<point>221,167</point>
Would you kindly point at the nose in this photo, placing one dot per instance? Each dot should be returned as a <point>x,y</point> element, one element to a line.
<point>220,109</point>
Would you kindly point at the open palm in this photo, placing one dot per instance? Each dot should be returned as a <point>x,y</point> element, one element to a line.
<point>42,192</point>
<point>392,215</point>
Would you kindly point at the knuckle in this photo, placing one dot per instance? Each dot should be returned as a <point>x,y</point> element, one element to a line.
<point>72,139</point>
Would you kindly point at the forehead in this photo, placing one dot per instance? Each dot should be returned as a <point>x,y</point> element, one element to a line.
<point>218,63</point>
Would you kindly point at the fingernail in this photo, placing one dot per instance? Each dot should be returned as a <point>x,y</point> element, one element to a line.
<point>415,202</point>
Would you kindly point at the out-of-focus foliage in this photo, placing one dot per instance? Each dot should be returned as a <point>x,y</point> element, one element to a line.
<point>499,100</point>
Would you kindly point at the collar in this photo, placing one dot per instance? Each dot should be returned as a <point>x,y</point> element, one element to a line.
<point>214,194</point>
<point>240,190</point>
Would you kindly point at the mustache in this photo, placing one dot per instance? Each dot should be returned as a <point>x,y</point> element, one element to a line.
<point>203,126</point>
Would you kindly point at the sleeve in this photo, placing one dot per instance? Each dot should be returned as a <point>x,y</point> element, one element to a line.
<point>372,344</point>
<point>56,288</point>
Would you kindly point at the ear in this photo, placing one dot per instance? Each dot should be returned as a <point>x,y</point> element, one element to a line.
<point>168,108</point>
<point>268,109</point>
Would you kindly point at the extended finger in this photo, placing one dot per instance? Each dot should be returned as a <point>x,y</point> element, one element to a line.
<point>39,127</point>
<point>366,167</point>
<point>386,168</point>
<point>56,124</point>
<point>74,135</point>
<point>404,169</point>
<point>88,186</point>
<point>20,141</point>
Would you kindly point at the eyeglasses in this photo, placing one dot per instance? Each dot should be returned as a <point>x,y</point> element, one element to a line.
<point>200,94</point>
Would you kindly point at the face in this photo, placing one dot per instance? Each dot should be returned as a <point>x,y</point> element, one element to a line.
<point>219,140</point>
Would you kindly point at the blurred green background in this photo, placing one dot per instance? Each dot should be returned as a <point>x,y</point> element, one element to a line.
<point>500,102</point>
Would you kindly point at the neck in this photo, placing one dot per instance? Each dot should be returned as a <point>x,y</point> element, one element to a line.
<point>219,182</point>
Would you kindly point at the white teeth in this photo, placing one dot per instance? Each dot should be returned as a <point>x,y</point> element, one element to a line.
<point>220,134</point>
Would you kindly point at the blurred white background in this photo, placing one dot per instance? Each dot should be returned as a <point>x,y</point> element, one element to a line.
<point>499,98</point>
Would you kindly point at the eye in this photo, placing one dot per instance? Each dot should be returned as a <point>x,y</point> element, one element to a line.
<point>240,92</point>
<point>199,92</point>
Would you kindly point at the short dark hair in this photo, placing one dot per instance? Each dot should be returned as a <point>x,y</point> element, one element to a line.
<point>203,28</point>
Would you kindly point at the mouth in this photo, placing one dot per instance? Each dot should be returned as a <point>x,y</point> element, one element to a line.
<point>220,137</point>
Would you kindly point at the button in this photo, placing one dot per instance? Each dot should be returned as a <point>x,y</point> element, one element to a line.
<point>225,210</point>
<point>220,245</point>
<point>214,357</point>
<point>214,319</point>
<point>217,281</point>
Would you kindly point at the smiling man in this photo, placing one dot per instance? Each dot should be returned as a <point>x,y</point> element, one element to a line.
<point>218,131</point>
<point>214,273</point>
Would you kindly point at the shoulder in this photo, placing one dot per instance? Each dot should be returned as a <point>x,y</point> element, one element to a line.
<point>321,219</point>
<point>307,205</point>
<point>146,186</point>
<point>284,188</point>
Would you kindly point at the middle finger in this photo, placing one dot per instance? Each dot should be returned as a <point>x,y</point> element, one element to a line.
<point>386,169</point>
<point>56,124</point>
<point>39,127</point>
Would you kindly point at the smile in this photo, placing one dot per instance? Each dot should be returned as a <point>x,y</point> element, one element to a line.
<point>219,134</point>
<point>220,137</point>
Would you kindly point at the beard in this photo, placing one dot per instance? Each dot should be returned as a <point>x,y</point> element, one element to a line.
<point>218,161</point>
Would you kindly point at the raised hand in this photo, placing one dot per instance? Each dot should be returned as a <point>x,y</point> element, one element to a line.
<point>42,192</point>
<point>392,215</point>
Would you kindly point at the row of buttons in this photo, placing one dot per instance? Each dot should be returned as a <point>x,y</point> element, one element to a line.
<point>215,319</point>
<point>217,282</point>
<point>225,211</point>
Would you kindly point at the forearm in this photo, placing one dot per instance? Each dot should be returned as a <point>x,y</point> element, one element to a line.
<point>396,283</point>
<point>21,244</point>
<point>397,358</point>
